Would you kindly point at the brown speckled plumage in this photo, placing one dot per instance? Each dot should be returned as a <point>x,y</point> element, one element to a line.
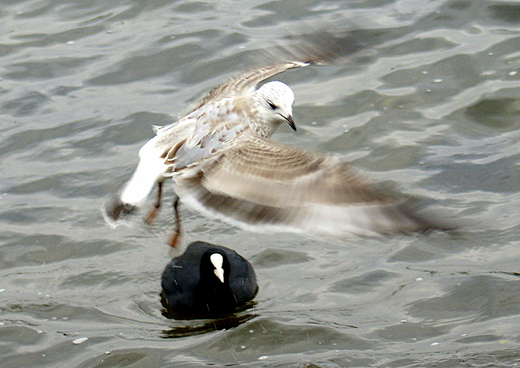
<point>223,163</point>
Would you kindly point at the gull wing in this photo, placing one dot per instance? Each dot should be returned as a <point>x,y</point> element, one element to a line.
<point>262,184</point>
<point>321,48</point>
<point>244,83</point>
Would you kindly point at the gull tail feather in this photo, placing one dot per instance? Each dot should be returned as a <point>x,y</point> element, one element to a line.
<point>135,192</point>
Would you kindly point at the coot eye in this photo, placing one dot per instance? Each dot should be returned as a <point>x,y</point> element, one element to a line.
<point>271,105</point>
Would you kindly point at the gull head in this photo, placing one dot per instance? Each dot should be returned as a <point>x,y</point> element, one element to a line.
<point>273,102</point>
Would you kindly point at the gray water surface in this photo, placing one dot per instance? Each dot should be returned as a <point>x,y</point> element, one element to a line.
<point>430,107</point>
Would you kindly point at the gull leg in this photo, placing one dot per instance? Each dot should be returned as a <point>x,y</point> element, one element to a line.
<point>174,238</point>
<point>153,212</point>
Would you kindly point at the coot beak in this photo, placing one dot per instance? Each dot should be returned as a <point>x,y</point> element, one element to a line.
<point>219,272</point>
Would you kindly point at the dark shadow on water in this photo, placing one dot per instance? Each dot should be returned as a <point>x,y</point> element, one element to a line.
<point>202,326</point>
<point>189,325</point>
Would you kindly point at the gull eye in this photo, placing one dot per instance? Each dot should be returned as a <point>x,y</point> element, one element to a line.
<point>271,105</point>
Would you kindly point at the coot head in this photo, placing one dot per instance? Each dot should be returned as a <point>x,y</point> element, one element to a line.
<point>207,280</point>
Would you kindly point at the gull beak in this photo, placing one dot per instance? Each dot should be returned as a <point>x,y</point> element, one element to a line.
<point>290,121</point>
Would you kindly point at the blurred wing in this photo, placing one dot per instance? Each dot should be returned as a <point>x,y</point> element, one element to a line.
<point>318,48</point>
<point>263,184</point>
<point>243,83</point>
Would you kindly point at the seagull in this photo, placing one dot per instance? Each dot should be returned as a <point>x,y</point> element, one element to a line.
<point>222,162</point>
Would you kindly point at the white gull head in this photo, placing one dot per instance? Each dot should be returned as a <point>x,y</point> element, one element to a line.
<point>273,103</point>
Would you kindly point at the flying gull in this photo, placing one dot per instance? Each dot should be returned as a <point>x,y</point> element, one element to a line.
<point>222,162</point>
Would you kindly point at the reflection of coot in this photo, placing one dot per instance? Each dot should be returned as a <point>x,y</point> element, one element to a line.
<point>206,280</point>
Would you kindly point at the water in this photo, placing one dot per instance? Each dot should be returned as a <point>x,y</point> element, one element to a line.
<point>431,107</point>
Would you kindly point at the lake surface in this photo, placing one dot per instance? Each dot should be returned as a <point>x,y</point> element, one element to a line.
<point>430,106</point>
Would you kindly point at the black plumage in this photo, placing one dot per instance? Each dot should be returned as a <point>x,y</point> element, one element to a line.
<point>191,287</point>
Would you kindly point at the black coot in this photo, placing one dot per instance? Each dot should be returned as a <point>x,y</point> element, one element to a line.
<point>207,280</point>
